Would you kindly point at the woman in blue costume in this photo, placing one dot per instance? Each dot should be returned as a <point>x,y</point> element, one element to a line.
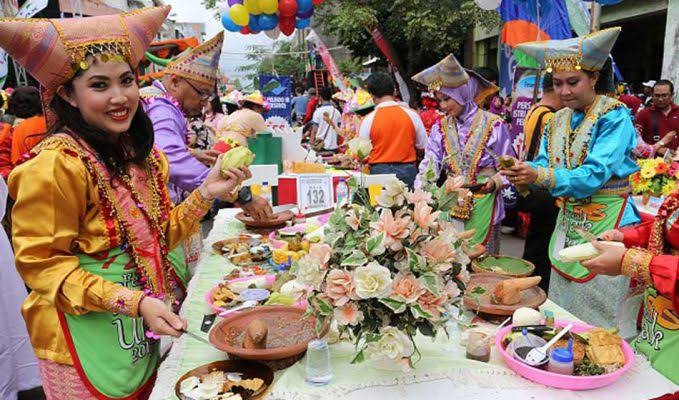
<point>584,160</point>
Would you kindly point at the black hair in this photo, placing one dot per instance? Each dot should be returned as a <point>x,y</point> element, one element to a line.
<point>606,83</point>
<point>487,73</point>
<point>25,102</point>
<point>299,90</point>
<point>547,83</point>
<point>216,105</point>
<point>251,106</point>
<point>231,108</point>
<point>131,147</point>
<point>380,84</point>
<point>326,93</point>
<point>665,82</point>
<point>364,111</point>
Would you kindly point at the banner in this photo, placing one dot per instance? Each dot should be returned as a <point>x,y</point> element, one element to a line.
<point>329,62</point>
<point>393,60</point>
<point>27,10</point>
<point>671,53</point>
<point>524,89</point>
<point>278,92</point>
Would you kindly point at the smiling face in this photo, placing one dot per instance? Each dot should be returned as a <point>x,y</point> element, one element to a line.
<point>106,95</point>
<point>575,88</point>
<point>449,106</point>
<point>191,94</point>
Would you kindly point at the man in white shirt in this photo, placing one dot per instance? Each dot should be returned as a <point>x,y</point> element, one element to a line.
<point>326,120</point>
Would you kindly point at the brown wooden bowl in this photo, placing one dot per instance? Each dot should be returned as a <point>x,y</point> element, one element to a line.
<point>250,369</point>
<point>531,298</point>
<point>277,220</point>
<point>480,266</point>
<point>222,333</point>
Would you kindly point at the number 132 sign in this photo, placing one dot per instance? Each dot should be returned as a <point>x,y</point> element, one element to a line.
<point>314,191</point>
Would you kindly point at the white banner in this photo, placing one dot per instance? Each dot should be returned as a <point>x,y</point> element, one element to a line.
<point>671,57</point>
<point>28,10</point>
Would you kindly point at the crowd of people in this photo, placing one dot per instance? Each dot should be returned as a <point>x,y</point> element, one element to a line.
<point>110,182</point>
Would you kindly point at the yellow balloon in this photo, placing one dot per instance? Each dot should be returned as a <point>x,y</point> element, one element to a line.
<point>252,6</point>
<point>268,6</point>
<point>239,14</point>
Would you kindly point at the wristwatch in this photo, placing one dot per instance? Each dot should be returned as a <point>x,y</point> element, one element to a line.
<point>244,195</point>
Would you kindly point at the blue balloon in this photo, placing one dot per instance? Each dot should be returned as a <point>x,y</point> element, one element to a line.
<point>254,24</point>
<point>302,23</point>
<point>268,21</point>
<point>229,25</point>
<point>306,14</point>
<point>304,5</point>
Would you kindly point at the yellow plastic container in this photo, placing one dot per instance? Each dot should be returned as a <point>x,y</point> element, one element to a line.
<point>374,191</point>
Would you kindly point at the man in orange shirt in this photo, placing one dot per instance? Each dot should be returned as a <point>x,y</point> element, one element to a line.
<point>394,130</point>
<point>25,103</point>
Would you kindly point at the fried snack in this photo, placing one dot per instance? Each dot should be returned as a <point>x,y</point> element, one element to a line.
<point>605,348</point>
<point>221,296</point>
<point>217,377</point>
<point>253,384</point>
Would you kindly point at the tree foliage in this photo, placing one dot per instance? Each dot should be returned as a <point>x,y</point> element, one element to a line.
<point>268,61</point>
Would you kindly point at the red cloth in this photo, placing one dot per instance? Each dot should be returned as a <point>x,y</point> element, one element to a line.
<point>644,123</point>
<point>5,150</point>
<point>310,108</point>
<point>631,101</point>
<point>430,117</point>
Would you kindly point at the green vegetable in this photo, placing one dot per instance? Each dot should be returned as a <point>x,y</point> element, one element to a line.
<point>587,368</point>
<point>236,158</point>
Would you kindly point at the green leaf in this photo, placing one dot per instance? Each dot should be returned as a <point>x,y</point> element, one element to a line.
<point>323,307</point>
<point>415,261</point>
<point>431,282</point>
<point>375,246</point>
<point>320,324</point>
<point>418,312</point>
<point>356,259</point>
<point>394,305</point>
<point>446,201</point>
<point>358,358</point>
<point>426,328</point>
<point>372,337</point>
<point>478,291</point>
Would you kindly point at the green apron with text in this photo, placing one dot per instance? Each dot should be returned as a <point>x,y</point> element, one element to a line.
<point>111,350</point>
<point>659,337</point>
<point>482,218</point>
<point>596,215</point>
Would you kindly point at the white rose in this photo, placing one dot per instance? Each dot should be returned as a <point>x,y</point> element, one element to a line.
<point>372,281</point>
<point>392,345</point>
<point>309,271</point>
<point>360,147</point>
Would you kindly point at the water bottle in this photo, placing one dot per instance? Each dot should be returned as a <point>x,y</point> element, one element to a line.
<point>266,192</point>
<point>318,367</point>
<point>342,191</point>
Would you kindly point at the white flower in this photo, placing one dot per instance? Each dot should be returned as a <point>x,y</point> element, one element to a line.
<point>372,281</point>
<point>309,271</point>
<point>393,194</point>
<point>392,345</point>
<point>360,148</point>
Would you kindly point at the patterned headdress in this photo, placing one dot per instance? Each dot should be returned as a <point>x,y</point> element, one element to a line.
<point>201,63</point>
<point>255,97</point>
<point>447,73</point>
<point>585,52</point>
<point>53,50</point>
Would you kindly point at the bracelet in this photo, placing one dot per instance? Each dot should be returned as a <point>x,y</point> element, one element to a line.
<point>636,265</point>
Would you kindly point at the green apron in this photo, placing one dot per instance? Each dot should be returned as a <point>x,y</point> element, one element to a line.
<point>659,337</point>
<point>110,351</point>
<point>597,215</point>
<point>477,211</point>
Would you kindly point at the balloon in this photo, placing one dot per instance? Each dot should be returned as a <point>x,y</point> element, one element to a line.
<point>317,2</point>
<point>287,8</point>
<point>304,5</point>
<point>302,23</point>
<point>239,14</point>
<point>306,14</point>
<point>287,25</point>
<point>245,30</point>
<point>268,6</point>
<point>234,2</point>
<point>254,24</point>
<point>228,23</point>
<point>273,33</point>
<point>488,4</point>
<point>268,22</point>
<point>252,6</point>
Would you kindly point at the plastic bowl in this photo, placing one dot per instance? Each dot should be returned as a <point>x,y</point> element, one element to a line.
<point>559,381</point>
<point>269,280</point>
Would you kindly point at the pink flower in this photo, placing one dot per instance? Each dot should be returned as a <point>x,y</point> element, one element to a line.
<point>454,184</point>
<point>395,228</point>
<point>451,290</point>
<point>339,286</point>
<point>418,196</point>
<point>432,304</point>
<point>353,221</point>
<point>348,314</point>
<point>321,253</point>
<point>438,250</point>
<point>464,276</point>
<point>423,215</point>
<point>406,287</point>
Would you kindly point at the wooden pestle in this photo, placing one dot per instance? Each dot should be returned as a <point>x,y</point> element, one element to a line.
<point>255,335</point>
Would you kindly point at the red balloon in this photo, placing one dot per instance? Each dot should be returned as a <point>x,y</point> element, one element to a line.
<point>287,8</point>
<point>317,2</point>
<point>287,25</point>
<point>246,30</point>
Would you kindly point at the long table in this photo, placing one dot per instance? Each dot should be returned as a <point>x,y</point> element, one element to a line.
<point>442,373</point>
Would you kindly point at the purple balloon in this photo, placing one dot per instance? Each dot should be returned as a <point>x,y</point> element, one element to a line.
<point>306,14</point>
<point>234,2</point>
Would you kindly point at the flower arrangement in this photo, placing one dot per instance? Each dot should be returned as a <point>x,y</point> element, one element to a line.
<point>656,177</point>
<point>385,273</point>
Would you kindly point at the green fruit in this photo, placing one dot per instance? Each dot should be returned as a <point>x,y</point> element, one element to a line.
<point>236,158</point>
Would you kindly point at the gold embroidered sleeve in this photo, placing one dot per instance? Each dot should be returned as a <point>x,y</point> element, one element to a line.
<point>636,265</point>
<point>185,218</point>
<point>545,179</point>
<point>121,300</point>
